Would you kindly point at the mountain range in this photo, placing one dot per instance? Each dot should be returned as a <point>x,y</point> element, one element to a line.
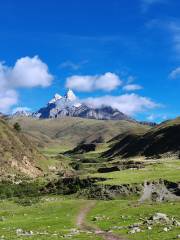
<point>69,105</point>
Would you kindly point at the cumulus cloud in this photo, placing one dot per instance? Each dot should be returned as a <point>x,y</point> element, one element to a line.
<point>130,104</point>
<point>175,74</point>
<point>106,82</point>
<point>132,87</point>
<point>26,73</point>
<point>30,72</point>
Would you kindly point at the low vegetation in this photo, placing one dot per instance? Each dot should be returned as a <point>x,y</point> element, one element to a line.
<point>119,216</point>
<point>167,169</point>
<point>115,187</point>
<point>50,218</point>
<point>17,154</point>
<point>69,132</point>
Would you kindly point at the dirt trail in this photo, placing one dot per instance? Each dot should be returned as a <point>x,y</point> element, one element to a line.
<point>81,223</point>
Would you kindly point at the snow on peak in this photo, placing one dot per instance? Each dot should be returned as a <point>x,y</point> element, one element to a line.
<point>70,95</point>
<point>77,105</point>
<point>56,98</point>
<point>21,113</point>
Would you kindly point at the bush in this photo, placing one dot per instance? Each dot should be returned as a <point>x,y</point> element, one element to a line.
<point>24,189</point>
<point>27,201</point>
<point>17,127</point>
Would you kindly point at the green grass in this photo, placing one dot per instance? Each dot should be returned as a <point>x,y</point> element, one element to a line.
<point>55,161</point>
<point>165,169</point>
<point>111,212</point>
<point>54,216</point>
<point>57,217</point>
<point>70,131</point>
<point>54,150</point>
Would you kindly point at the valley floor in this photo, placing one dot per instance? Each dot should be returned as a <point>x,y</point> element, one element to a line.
<point>55,217</point>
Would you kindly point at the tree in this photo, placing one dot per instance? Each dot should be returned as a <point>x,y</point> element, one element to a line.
<point>17,127</point>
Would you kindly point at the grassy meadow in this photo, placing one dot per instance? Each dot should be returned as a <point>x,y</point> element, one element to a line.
<point>51,218</point>
<point>54,217</point>
<point>166,169</point>
<point>116,214</point>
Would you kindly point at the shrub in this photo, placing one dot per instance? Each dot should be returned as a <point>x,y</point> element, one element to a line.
<point>17,127</point>
<point>24,189</point>
<point>27,201</point>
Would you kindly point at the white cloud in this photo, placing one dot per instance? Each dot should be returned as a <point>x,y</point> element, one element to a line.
<point>30,72</point>
<point>8,98</point>
<point>27,72</point>
<point>106,82</point>
<point>130,104</point>
<point>4,76</point>
<point>155,117</point>
<point>175,73</point>
<point>80,83</point>
<point>132,87</point>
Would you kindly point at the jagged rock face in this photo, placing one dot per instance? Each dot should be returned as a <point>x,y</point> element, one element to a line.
<point>105,112</point>
<point>70,106</point>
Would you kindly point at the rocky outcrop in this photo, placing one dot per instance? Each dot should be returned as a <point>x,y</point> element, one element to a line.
<point>160,191</point>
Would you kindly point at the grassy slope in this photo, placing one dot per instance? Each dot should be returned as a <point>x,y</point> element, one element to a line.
<point>68,132</point>
<point>158,140</point>
<point>17,153</point>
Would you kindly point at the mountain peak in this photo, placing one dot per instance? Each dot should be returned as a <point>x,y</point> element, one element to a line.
<point>21,113</point>
<point>70,95</point>
<point>56,98</point>
<point>69,105</point>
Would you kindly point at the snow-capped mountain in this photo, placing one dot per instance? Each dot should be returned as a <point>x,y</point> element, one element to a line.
<point>69,105</point>
<point>22,113</point>
<point>55,99</point>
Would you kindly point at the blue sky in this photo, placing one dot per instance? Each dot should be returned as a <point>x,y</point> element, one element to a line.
<point>122,53</point>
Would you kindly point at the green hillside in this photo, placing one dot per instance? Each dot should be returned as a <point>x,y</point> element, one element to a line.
<point>162,139</point>
<point>68,132</point>
<point>17,153</point>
